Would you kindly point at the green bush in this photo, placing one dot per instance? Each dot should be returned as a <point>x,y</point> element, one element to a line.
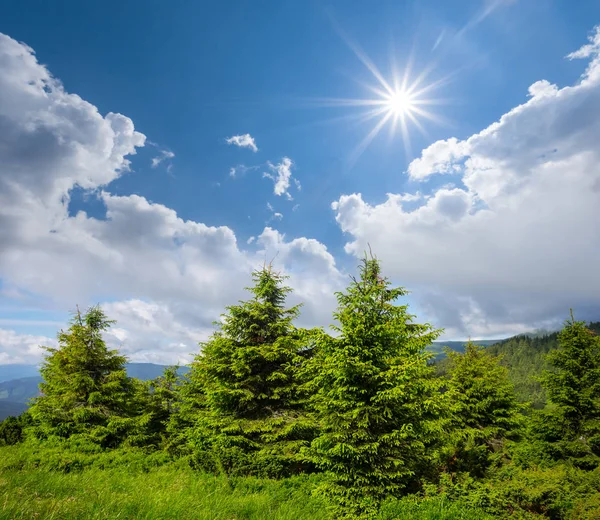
<point>11,430</point>
<point>512,492</point>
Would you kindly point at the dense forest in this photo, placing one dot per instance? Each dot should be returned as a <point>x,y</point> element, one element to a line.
<point>361,423</point>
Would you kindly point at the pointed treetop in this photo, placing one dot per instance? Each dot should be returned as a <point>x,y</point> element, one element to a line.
<point>94,318</point>
<point>268,286</point>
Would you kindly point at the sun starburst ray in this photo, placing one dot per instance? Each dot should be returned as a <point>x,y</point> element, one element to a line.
<point>341,102</point>
<point>428,115</point>
<point>399,101</point>
<point>354,119</point>
<point>362,146</point>
<point>405,135</point>
<point>417,123</point>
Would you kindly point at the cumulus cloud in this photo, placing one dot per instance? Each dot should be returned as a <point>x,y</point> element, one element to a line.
<point>152,333</point>
<point>440,157</point>
<point>163,278</point>
<point>243,141</point>
<point>22,348</point>
<point>313,270</point>
<point>281,175</point>
<point>411,197</point>
<point>589,50</point>
<point>516,245</point>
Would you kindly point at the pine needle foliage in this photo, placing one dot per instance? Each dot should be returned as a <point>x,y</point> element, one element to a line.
<point>483,410</point>
<point>181,429</point>
<point>250,413</point>
<point>571,422</point>
<point>375,397</point>
<point>85,389</point>
<point>157,401</point>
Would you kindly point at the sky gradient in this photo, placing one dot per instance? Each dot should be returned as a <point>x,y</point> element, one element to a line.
<point>153,154</point>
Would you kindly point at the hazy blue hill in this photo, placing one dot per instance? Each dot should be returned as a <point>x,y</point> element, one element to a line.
<point>437,347</point>
<point>147,371</point>
<point>8,408</point>
<point>9,372</point>
<point>16,392</point>
<point>19,390</point>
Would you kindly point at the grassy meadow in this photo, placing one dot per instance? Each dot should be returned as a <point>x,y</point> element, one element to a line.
<point>47,484</point>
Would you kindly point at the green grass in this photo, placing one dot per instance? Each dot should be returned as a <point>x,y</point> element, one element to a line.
<point>159,494</point>
<point>128,490</point>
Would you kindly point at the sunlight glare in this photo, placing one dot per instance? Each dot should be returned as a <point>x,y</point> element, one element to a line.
<point>399,103</point>
<point>396,101</point>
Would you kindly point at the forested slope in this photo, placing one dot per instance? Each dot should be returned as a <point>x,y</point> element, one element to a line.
<point>525,357</point>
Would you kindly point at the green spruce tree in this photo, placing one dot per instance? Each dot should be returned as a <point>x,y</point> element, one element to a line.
<point>85,389</point>
<point>375,398</point>
<point>244,388</point>
<point>157,401</point>
<point>182,430</point>
<point>570,425</point>
<point>483,410</point>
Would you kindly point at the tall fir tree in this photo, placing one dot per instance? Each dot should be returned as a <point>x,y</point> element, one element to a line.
<point>85,389</point>
<point>483,410</point>
<point>244,388</point>
<point>375,397</point>
<point>570,425</point>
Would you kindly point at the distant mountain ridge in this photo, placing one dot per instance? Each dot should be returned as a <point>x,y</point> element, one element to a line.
<point>15,392</point>
<point>437,347</point>
<point>523,354</point>
<point>9,372</point>
<point>20,383</point>
<point>143,371</point>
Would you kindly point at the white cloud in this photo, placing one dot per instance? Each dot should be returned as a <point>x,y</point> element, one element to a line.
<point>281,176</point>
<point>440,157</point>
<point>275,215</point>
<point>163,278</point>
<point>241,169</point>
<point>314,274</point>
<point>250,240</point>
<point>22,348</point>
<point>243,141</point>
<point>410,197</point>
<point>517,244</point>
<point>591,49</point>
<point>163,155</point>
<point>152,333</point>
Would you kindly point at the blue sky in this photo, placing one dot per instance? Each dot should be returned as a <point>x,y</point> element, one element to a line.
<point>189,75</point>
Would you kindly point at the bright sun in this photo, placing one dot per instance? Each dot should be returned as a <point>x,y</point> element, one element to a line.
<point>399,103</point>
